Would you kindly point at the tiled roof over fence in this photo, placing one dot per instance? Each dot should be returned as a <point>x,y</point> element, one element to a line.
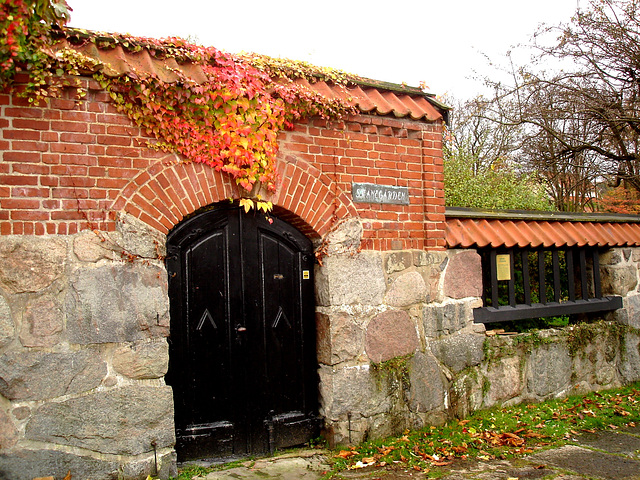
<point>370,96</point>
<point>467,228</point>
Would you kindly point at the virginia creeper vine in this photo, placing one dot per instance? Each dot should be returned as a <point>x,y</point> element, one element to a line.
<point>230,121</point>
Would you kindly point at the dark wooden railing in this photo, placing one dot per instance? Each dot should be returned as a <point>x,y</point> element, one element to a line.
<point>541,283</point>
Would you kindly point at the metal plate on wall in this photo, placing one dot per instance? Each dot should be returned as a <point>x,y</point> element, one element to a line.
<point>371,193</point>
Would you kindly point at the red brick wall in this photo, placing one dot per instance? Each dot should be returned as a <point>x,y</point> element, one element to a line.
<point>68,166</point>
<point>383,151</point>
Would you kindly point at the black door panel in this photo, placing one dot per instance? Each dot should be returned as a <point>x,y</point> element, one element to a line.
<point>242,344</point>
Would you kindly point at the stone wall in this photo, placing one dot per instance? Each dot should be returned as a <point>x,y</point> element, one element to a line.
<point>619,273</point>
<point>83,353</point>
<point>84,207</point>
<point>386,321</point>
<point>398,347</point>
<point>83,350</point>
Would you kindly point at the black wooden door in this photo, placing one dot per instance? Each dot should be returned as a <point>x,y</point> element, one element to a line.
<point>242,345</point>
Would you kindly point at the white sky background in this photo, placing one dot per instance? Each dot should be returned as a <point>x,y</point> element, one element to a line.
<point>444,43</point>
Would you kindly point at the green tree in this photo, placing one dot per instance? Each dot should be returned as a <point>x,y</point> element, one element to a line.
<point>480,168</point>
<point>497,187</point>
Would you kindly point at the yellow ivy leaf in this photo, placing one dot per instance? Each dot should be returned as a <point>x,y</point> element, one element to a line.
<point>265,206</point>
<point>247,203</point>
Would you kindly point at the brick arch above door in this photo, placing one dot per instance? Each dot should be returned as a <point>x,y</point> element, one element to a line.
<point>163,194</point>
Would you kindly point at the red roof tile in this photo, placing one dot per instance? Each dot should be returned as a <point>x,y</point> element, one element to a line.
<point>469,230</point>
<point>369,96</point>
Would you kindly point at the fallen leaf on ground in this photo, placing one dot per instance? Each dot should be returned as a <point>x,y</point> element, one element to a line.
<point>346,453</point>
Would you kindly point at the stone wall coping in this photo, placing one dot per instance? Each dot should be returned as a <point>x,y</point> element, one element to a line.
<point>464,212</point>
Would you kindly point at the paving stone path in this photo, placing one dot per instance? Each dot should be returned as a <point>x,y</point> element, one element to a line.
<point>605,455</point>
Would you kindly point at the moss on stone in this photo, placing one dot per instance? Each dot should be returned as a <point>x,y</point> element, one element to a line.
<point>397,367</point>
<point>486,386</point>
<point>580,336</point>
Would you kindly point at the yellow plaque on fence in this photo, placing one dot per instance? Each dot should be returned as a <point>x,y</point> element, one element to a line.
<point>503,267</point>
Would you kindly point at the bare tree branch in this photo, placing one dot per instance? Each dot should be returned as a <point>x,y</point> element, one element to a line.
<point>580,124</point>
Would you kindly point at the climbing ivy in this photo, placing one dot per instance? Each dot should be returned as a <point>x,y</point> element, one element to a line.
<point>25,38</point>
<point>229,119</point>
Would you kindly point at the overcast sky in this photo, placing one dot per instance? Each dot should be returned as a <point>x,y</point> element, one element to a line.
<point>444,43</point>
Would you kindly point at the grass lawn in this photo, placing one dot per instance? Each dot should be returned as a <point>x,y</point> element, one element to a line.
<point>487,434</point>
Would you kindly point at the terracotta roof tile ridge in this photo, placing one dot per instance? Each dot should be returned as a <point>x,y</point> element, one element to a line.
<point>529,237</point>
<point>466,232</point>
<point>170,60</point>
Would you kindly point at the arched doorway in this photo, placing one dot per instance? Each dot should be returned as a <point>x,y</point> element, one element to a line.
<point>242,346</point>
